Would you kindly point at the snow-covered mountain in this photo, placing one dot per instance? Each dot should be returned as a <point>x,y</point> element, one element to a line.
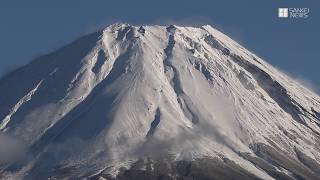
<point>157,102</point>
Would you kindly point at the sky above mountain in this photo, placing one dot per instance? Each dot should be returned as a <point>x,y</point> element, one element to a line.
<point>31,28</point>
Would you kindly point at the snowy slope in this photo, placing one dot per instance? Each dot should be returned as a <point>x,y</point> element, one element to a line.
<point>125,93</point>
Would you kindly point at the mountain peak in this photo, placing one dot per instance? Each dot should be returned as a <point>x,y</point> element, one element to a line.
<point>130,94</point>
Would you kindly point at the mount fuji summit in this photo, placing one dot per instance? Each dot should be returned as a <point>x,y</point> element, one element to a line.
<point>159,103</point>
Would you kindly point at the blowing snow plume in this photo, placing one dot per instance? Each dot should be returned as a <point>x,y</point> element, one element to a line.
<point>11,149</point>
<point>150,102</point>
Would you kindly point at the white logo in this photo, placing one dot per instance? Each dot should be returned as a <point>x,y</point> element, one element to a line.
<point>283,12</point>
<point>296,13</point>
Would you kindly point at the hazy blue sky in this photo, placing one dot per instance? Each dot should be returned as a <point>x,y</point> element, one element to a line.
<point>29,28</point>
